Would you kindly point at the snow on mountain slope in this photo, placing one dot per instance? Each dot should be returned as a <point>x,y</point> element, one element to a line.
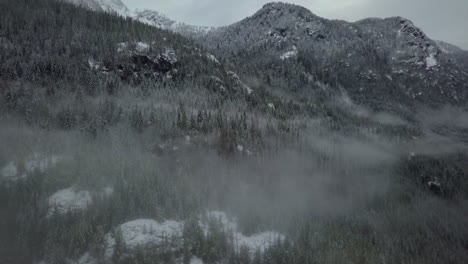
<point>154,18</point>
<point>449,48</point>
<point>255,242</point>
<point>405,63</point>
<point>67,200</point>
<point>114,6</point>
<point>150,17</point>
<point>73,199</point>
<point>159,20</point>
<point>91,4</point>
<point>143,232</point>
<point>392,54</point>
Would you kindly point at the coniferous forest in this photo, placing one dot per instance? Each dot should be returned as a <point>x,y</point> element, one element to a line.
<point>121,142</point>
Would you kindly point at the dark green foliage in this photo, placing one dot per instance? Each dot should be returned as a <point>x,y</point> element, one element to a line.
<point>152,135</point>
<point>136,120</point>
<point>450,172</point>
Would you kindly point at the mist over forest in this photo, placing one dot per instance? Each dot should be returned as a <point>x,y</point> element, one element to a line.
<point>283,138</point>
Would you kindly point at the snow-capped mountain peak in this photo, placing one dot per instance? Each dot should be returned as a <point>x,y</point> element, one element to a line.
<point>159,20</point>
<point>147,16</point>
<point>90,4</point>
<point>153,18</point>
<point>114,6</point>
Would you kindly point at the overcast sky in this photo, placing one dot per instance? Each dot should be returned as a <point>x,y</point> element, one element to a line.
<point>441,19</point>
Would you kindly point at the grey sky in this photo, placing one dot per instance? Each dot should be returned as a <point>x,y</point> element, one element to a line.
<point>444,20</point>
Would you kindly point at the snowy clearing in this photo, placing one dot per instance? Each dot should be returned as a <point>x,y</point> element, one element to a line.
<point>71,199</point>
<point>142,47</point>
<point>142,232</point>
<point>213,59</point>
<point>255,242</point>
<point>290,54</point>
<point>67,200</point>
<point>431,61</point>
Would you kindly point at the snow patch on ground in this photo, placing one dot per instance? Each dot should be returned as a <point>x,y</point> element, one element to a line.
<point>253,243</point>
<point>122,47</point>
<point>142,232</point>
<point>195,260</point>
<point>240,148</point>
<point>257,242</point>
<point>146,232</point>
<point>68,200</point>
<point>93,65</point>
<point>213,59</point>
<point>431,61</point>
<point>72,199</point>
<point>142,47</point>
<point>290,54</point>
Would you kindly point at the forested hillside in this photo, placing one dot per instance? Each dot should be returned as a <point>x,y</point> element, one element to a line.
<point>121,142</point>
<point>386,64</point>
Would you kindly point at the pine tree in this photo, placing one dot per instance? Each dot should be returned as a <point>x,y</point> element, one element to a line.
<point>136,120</point>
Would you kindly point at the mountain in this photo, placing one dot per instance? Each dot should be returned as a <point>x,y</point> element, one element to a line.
<point>449,48</point>
<point>159,20</point>
<point>283,138</point>
<point>114,6</point>
<point>384,64</point>
<point>147,16</point>
<point>458,54</point>
<point>101,48</point>
<point>378,62</point>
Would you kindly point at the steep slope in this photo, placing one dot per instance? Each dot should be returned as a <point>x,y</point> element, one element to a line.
<point>449,48</point>
<point>75,73</point>
<point>377,61</point>
<point>147,16</point>
<point>102,42</point>
<point>114,6</point>
<point>116,136</point>
<point>159,20</point>
<point>91,4</point>
<point>458,54</point>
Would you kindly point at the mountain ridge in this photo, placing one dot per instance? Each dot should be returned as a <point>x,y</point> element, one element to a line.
<point>390,53</point>
<point>168,23</point>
